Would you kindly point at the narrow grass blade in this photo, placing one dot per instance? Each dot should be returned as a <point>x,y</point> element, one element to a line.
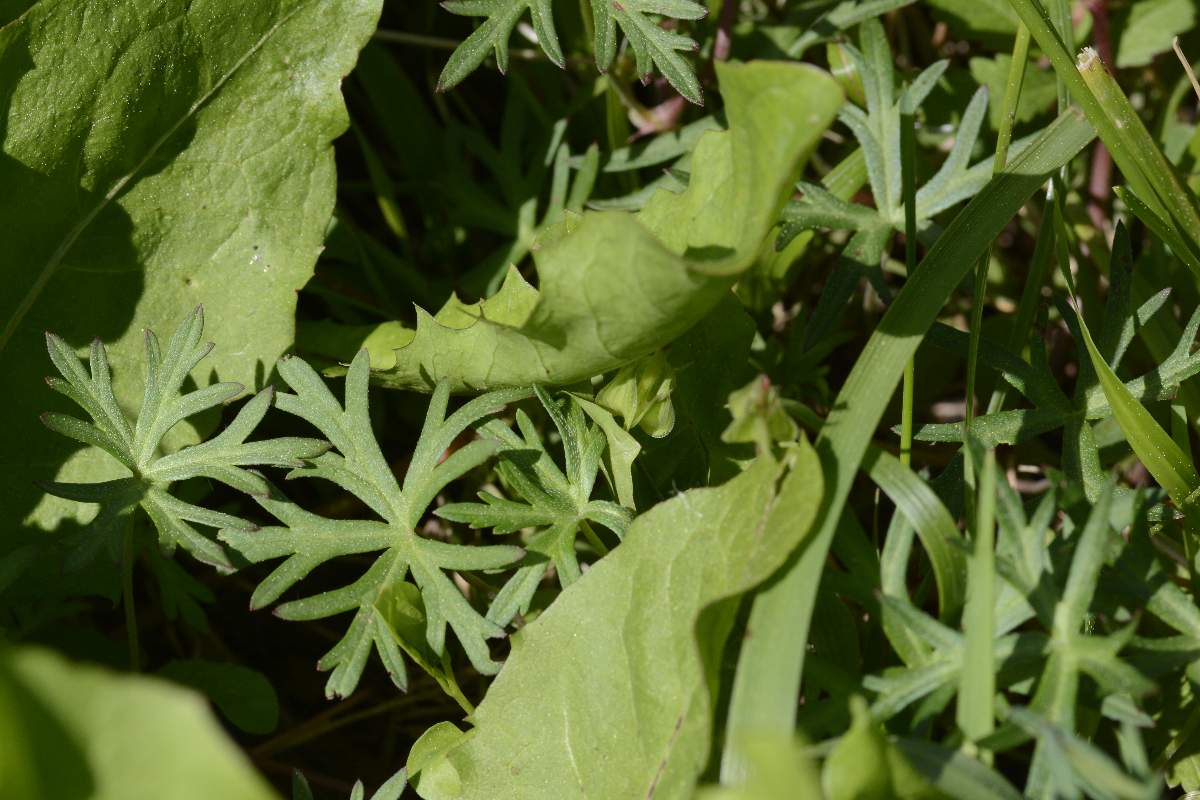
<point>1117,123</point>
<point>864,397</point>
<point>1169,465</point>
<point>977,683</point>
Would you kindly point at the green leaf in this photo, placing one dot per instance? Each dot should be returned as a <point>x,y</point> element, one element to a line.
<point>138,447</point>
<point>977,686</point>
<point>557,505</point>
<point>714,544</point>
<point>1135,151</point>
<point>640,393</point>
<point>1169,465</point>
<point>186,161</point>
<point>307,540</point>
<point>934,525</point>
<point>1080,766</point>
<point>622,450</point>
<point>990,20</point>
<point>841,17</point>
<point>878,131</point>
<point>1148,27</point>
<point>657,150</point>
<point>846,435</point>
<point>758,416</point>
<point>652,45</point>
<point>493,34</point>
<point>80,731</point>
<point>614,286</point>
<point>954,773</point>
<point>391,789</point>
<point>1038,89</point>
<point>776,766</point>
<point>244,696</point>
<point>857,768</point>
<point>710,361</point>
<point>432,773</point>
<point>403,610</point>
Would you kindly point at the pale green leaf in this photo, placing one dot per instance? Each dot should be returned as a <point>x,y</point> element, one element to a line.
<point>70,731</point>
<point>652,45</point>
<point>713,543</point>
<point>1148,27</point>
<point>138,447</point>
<point>846,436</point>
<point>306,540</point>
<point>492,35</point>
<point>614,286</point>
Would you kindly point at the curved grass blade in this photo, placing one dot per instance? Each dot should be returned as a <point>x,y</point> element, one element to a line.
<point>864,397</point>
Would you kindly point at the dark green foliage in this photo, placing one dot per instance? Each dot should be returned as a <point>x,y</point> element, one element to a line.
<point>597,395</point>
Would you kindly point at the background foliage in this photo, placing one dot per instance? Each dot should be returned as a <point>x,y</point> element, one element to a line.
<point>732,399</point>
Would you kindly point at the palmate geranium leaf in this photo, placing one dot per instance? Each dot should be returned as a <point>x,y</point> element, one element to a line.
<point>558,505</point>
<point>877,129</point>
<point>137,447</point>
<point>652,45</point>
<point>501,16</point>
<point>306,540</point>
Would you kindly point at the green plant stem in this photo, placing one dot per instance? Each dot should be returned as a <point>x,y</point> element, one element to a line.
<point>1012,97</point>
<point>589,22</point>
<point>783,610</point>
<point>1060,15</point>
<point>977,684</point>
<point>1106,107</point>
<point>592,537</point>
<point>128,556</point>
<point>908,183</point>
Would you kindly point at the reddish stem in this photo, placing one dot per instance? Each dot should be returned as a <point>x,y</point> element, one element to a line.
<point>724,41</point>
<point>1101,177</point>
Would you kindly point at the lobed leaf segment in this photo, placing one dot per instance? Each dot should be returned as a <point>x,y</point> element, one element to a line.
<point>379,598</point>
<point>138,448</point>
<point>652,44</point>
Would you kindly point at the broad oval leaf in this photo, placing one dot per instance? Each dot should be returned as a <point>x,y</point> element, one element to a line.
<point>615,676</point>
<point>70,730</point>
<point>158,154</point>
<point>615,286</point>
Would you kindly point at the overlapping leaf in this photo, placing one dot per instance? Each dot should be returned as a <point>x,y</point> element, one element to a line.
<point>654,722</point>
<point>652,44</point>
<point>138,447</point>
<point>878,131</point>
<point>557,505</point>
<point>307,540</point>
<point>614,286</point>
<point>187,159</point>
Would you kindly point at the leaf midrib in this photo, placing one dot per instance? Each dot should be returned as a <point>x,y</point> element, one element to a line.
<point>51,267</point>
